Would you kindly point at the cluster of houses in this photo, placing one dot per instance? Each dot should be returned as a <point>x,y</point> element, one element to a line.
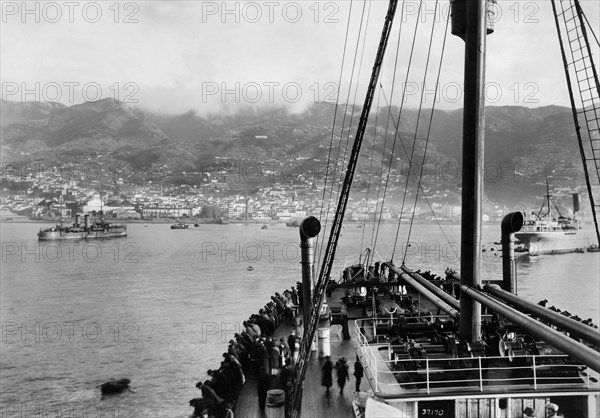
<point>50,197</point>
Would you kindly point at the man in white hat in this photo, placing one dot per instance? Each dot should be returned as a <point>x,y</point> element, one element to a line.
<point>551,410</point>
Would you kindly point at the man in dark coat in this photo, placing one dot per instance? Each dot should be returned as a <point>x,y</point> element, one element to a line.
<point>203,405</point>
<point>263,387</point>
<point>326,377</point>
<point>263,358</point>
<point>342,373</point>
<point>209,393</point>
<point>358,373</point>
<point>286,377</point>
<point>274,358</point>
<point>291,342</point>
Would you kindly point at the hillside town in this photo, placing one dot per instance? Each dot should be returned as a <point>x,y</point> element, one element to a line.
<point>54,193</point>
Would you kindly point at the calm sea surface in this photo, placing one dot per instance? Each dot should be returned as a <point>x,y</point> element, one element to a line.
<point>159,306</point>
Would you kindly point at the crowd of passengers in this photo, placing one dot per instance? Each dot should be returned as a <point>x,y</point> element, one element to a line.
<point>254,352</point>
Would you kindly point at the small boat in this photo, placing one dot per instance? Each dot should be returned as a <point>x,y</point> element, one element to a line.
<point>196,225</point>
<point>114,387</point>
<point>593,248</point>
<point>264,226</point>
<point>250,268</point>
<point>179,225</point>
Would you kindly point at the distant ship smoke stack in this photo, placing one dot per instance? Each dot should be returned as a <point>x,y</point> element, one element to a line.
<point>77,220</point>
<point>513,222</point>
<point>87,221</point>
<point>309,229</point>
<point>576,202</point>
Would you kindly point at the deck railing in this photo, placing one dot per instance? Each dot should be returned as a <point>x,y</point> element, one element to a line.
<point>394,374</point>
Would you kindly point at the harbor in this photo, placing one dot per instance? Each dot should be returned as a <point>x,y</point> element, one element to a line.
<point>314,316</point>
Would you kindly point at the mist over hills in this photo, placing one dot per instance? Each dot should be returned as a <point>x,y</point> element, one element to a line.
<point>519,142</point>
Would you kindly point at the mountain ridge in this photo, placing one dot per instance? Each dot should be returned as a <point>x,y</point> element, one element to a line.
<point>536,138</point>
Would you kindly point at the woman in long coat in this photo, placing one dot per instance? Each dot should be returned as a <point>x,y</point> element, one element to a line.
<point>326,377</point>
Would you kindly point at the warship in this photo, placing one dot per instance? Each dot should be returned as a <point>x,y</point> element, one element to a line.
<point>88,230</point>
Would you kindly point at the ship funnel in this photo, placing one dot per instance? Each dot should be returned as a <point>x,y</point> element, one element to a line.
<point>87,220</point>
<point>309,229</point>
<point>77,220</point>
<point>513,222</point>
<point>576,202</point>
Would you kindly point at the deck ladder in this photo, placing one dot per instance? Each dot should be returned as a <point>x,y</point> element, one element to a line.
<point>578,61</point>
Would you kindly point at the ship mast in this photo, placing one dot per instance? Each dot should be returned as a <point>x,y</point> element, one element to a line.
<point>294,402</point>
<point>472,164</point>
<point>549,213</point>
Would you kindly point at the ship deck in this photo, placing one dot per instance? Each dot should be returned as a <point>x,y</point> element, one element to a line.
<point>397,378</point>
<point>315,402</point>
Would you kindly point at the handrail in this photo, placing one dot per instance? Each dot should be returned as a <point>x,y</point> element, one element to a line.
<point>417,375</point>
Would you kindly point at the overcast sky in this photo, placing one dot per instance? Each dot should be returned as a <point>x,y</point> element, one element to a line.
<point>211,56</point>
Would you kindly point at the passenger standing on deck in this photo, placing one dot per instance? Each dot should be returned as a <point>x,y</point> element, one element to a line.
<point>551,410</point>
<point>292,343</point>
<point>286,377</point>
<point>358,373</point>
<point>262,387</point>
<point>326,377</point>
<point>300,295</point>
<point>342,373</point>
<point>298,326</point>
<point>295,296</point>
<point>296,349</point>
<point>284,349</point>
<point>274,358</point>
<point>263,359</point>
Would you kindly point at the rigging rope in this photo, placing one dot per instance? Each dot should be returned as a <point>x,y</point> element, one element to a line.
<point>396,133</point>
<point>355,89</point>
<point>427,142</point>
<point>337,101</point>
<point>423,193</point>
<point>334,176</point>
<point>373,239</point>
<point>362,238</point>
